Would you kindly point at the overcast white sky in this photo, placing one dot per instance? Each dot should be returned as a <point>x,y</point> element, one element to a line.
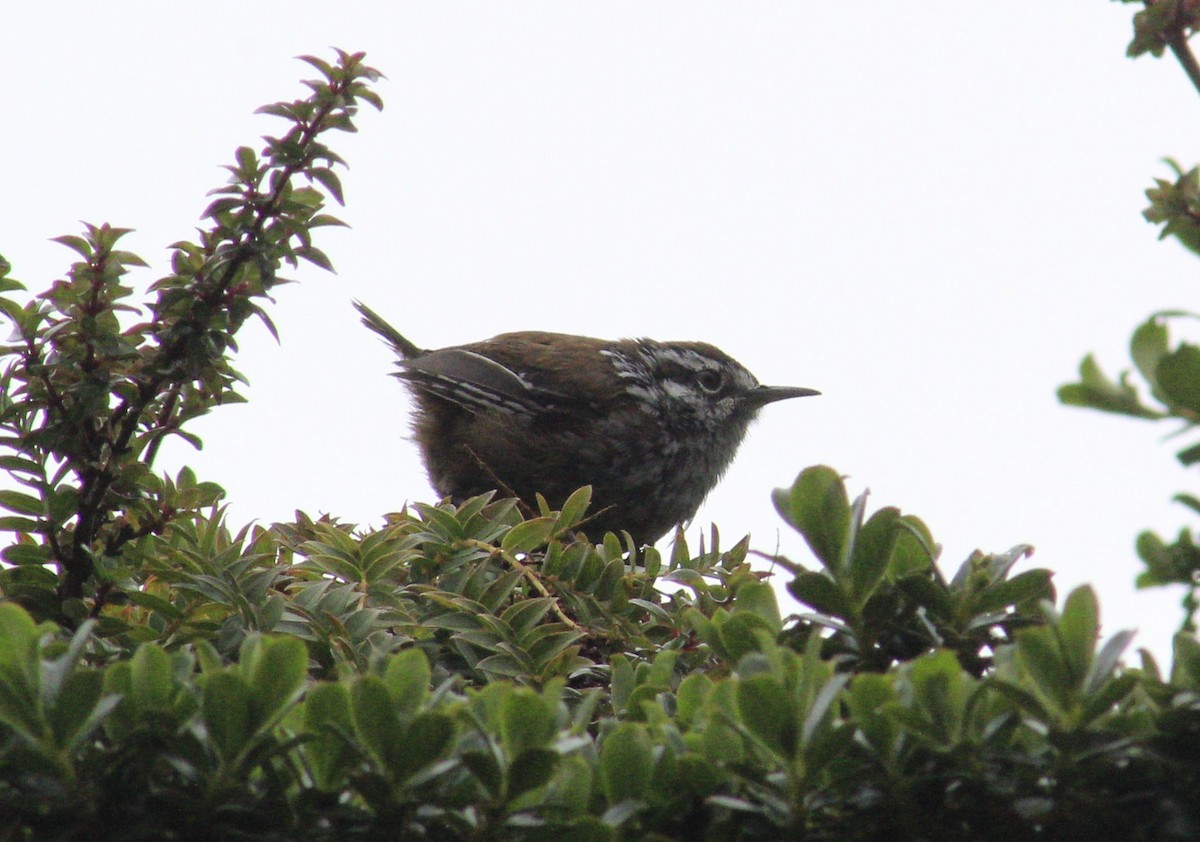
<point>928,210</point>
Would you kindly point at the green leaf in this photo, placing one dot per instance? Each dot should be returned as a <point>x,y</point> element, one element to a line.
<point>914,551</point>
<point>1178,374</point>
<point>1109,694</point>
<point>759,598</point>
<point>872,553</point>
<point>1022,589</point>
<point>80,708</point>
<point>528,535</point>
<point>19,524</point>
<point>530,770</point>
<point>1108,659</point>
<point>743,633</point>
<point>1079,627</point>
<point>1185,666</point>
<point>407,677</point>
<point>75,243</point>
<point>527,721</point>
<point>375,719</point>
<point>1189,455</point>
<point>626,763</point>
<point>692,695</point>
<point>523,616</point>
<point>277,678</point>
<point>817,506</point>
<point>868,697</point>
<point>485,768</point>
<point>24,504</point>
<point>327,720</point>
<point>227,710</point>
<point>1038,652</point>
<point>766,709</point>
<point>939,688</point>
<point>820,711</point>
<point>821,593</point>
<point>18,644</point>
<point>1097,391</point>
<point>621,679</point>
<point>1147,347</point>
<point>424,742</point>
<point>151,682</point>
<point>573,510</point>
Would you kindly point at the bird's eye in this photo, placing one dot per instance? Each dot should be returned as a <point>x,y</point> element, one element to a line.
<point>710,380</point>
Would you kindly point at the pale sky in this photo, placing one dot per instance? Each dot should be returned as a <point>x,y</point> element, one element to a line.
<point>930,211</point>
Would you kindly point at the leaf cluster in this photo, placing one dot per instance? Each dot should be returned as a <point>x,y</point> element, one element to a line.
<point>91,385</point>
<point>463,673</point>
<point>1167,368</point>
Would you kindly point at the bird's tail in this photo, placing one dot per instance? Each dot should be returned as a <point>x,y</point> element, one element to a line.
<point>375,322</point>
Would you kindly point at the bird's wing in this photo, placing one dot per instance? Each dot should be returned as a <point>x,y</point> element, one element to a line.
<point>472,381</point>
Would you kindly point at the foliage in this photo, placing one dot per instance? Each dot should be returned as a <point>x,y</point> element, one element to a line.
<point>1168,369</point>
<point>415,682</point>
<point>86,399</point>
<point>465,672</point>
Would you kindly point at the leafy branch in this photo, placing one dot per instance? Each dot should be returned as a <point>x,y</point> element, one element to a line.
<point>87,398</point>
<point>1169,370</point>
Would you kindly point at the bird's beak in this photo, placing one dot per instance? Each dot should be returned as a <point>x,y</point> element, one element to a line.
<point>764,395</point>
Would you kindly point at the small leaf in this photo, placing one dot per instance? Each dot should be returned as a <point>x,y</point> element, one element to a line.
<point>327,719</point>
<point>530,770</point>
<point>375,719</point>
<point>1107,659</point>
<point>1147,347</point>
<point>24,504</point>
<point>151,682</point>
<point>626,763</point>
<point>528,535</point>
<point>821,593</point>
<point>277,678</point>
<point>1178,374</point>
<point>1185,666</point>
<point>226,707</point>
<point>407,677</point>
<point>329,180</point>
<point>817,506</point>
<point>526,721</point>
<point>423,743</point>
<point>766,710</point>
<point>1189,455</point>
<point>485,768</point>
<point>1079,627</point>
<point>573,510</point>
<point>744,633</point>
<point>872,553</point>
<point>1096,391</point>
<point>1038,652</point>
<point>939,688</point>
<point>1023,588</point>
<point>75,243</point>
<point>759,598</point>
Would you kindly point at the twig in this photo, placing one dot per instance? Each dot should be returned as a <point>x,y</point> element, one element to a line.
<point>532,577</point>
<point>1179,46</point>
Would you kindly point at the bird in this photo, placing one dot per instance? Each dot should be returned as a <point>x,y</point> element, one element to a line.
<point>650,426</point>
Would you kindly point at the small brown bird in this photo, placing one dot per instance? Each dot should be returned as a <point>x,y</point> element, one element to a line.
<point>651,426</point>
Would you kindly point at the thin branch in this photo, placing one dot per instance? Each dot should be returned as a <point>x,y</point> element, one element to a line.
<point>531,577</point>
<point>164,416</point>
<point>1179,46</point>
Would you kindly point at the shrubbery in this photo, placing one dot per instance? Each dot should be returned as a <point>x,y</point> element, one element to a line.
<point>479,672</point>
